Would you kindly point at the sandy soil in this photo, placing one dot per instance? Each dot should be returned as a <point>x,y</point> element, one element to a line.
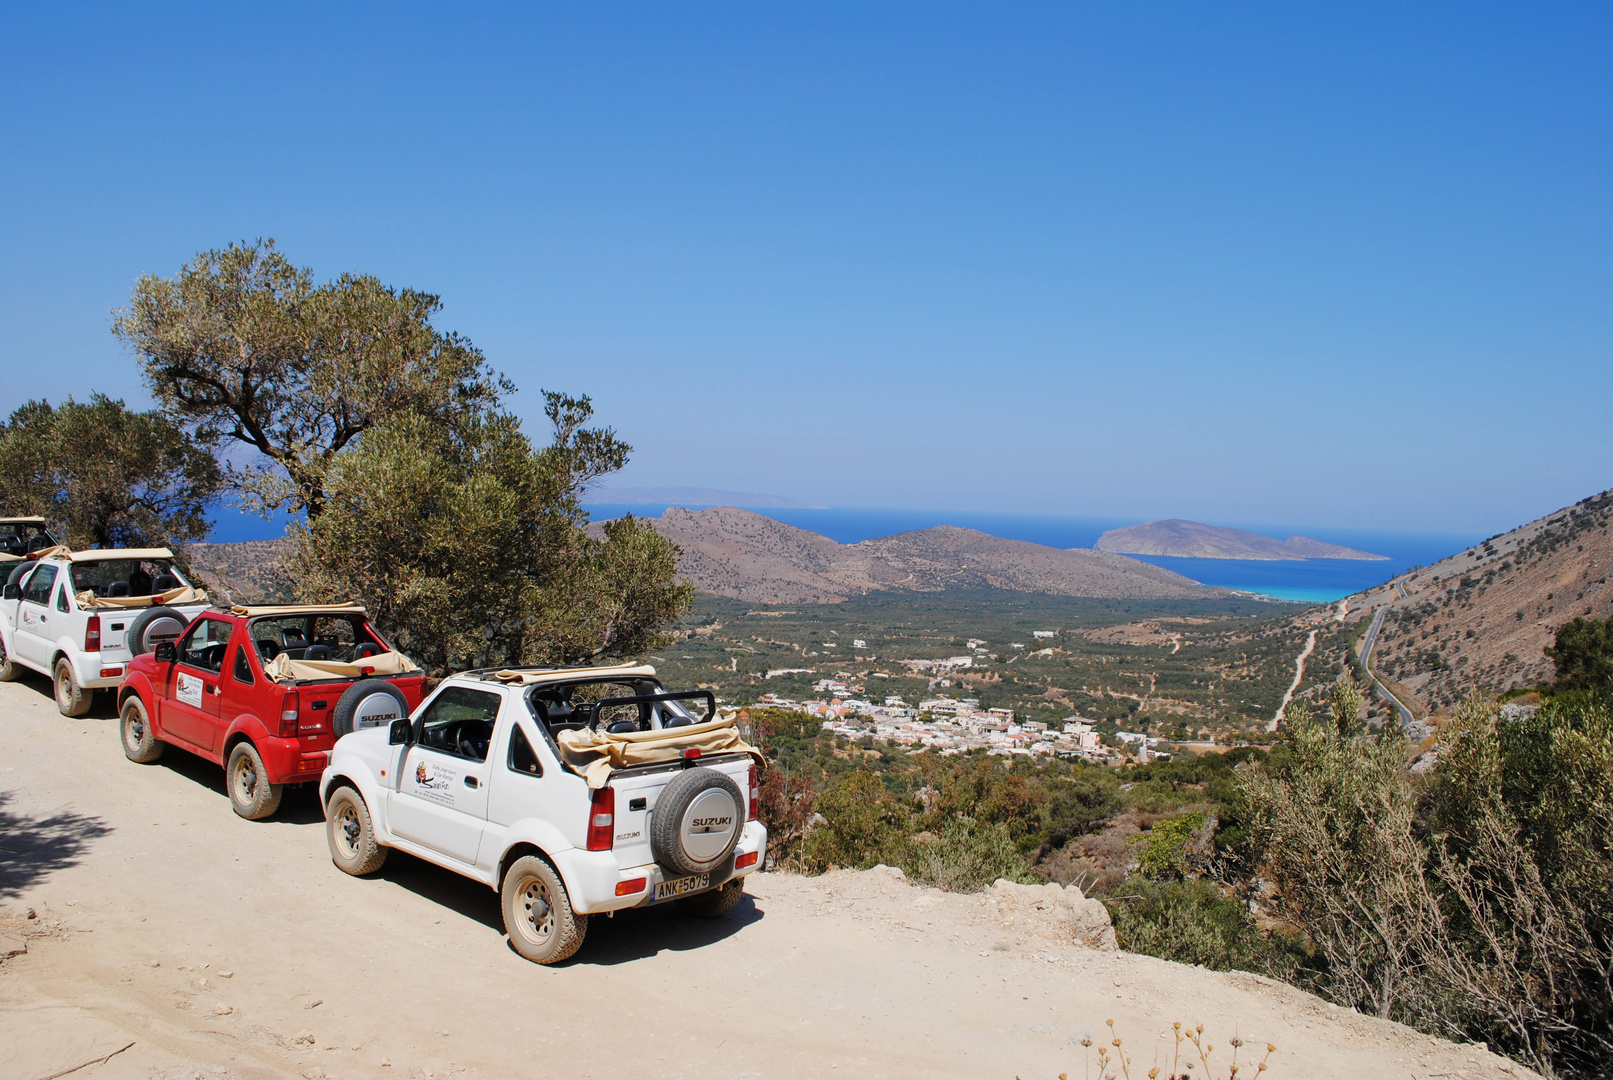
<point>185,942</point>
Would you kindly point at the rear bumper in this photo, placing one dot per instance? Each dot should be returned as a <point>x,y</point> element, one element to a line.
<point>598,887</point>
<point>288,761</point>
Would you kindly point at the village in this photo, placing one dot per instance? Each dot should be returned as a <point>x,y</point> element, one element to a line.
<point>949,725</point>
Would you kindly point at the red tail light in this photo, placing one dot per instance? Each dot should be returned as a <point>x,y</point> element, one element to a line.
<point>289,711</point>
<point>92,634</point>
<point>602,820</point>
<point>755,794</point>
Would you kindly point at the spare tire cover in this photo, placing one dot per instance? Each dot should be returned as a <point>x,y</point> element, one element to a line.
<point>696,821</point>
<point>152,627</point>
<point>368,703</point>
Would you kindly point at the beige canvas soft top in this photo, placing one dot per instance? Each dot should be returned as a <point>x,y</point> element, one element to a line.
<point>247,612</point>
<point>179,597</point>
<point>23,521</point>
<point>284,669</point>
<point>103,554</point>
<point>597,754</point>
<point>60,551</point>
<point>6,557</point>
<point>537,676</point>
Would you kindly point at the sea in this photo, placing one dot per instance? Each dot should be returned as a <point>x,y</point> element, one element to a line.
<point>1309,581</point>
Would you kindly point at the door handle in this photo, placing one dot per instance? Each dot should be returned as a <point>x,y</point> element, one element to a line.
<point>471,781</point>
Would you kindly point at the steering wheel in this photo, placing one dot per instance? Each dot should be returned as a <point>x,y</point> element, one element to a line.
<point>470,745</point>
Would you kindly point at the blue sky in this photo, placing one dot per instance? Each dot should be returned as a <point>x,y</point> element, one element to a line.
<point>1328,266</point>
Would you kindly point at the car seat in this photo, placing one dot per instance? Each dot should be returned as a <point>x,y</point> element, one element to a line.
<point>317,652</point>
<point>164,582</point>
<point>369,648</point>
<point>38,543</point>
<point>268,649</point>
<point>118,588</point>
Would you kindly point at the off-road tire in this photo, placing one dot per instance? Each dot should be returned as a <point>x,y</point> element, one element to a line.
<point>537,913</point>
<point>716,903</point>
<point>10,670</point>
<point>140,743</point>
<point>351,834</point>
<point>666,822</point>
<point>347,706</point>
<point>136,635</point>
<point>71,698</point>
<point>251,794</point>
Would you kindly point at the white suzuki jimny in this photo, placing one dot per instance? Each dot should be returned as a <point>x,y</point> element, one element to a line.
<point>571,792</point>
<point>81,616</point>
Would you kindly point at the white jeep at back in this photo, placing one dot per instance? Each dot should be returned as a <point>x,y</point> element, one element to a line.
<point>571,792</point>
<point>81,616</point>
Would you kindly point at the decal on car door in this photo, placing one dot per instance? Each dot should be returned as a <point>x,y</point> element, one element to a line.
<point>188,688</point>
<point>432,781</point>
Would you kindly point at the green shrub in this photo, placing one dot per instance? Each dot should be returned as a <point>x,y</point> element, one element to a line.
<point>1170,846</point>
<point>965,856</point>
<point>1195,922</point>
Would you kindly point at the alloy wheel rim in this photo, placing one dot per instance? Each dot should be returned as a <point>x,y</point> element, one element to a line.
<point>537,914</point>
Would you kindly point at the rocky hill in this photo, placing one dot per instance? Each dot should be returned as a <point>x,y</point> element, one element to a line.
<point>1481,619</point>
<point>750,557</point>
<point>1190,539</point>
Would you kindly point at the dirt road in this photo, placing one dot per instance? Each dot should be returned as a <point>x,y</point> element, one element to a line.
<point>185,942</point>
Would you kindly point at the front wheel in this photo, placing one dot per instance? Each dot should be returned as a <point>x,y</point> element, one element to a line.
<point>251,794</point>
<point>714,903</point>
<point>71,698</point>
<point>139,742</point>
<point>10,670</point>
<point>537,913</point>
<point>351,834</point>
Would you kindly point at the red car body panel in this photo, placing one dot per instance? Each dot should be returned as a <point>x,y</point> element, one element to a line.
<point>233,711</point>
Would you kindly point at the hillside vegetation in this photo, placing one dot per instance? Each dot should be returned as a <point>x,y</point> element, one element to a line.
<point>1481,620</point>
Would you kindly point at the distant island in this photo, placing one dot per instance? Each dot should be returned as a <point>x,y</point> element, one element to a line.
<point>1190,539</point>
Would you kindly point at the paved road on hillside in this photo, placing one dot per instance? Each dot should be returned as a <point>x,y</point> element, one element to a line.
<point>1406,717</point>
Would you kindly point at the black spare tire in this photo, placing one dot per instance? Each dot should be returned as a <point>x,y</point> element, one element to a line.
<point>154,626</point>
<point>368,703</point>
<point>696,821</point>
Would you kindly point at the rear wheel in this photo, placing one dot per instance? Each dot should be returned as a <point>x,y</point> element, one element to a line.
<point>251,794</point>
<point>10,670</point>
<point>714,903</point>
<point>71,698</point>
<point>537,913</point>
<point>139,742</point>
<point>351,834</point>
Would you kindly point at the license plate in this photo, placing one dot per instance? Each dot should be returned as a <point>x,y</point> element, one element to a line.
<point>679,886</point>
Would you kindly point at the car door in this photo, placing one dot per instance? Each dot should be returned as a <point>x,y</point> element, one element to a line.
<point>441,797</point>
<point>191,690</point>
<point>32,638</point>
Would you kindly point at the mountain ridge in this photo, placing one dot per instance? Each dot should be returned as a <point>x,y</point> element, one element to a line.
<point>1481,619</point>
<point>751,557</point>
<point>1195,540</point>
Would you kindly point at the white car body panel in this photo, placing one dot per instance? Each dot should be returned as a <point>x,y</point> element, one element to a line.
<point>36,634</point>
<point>419,802</point>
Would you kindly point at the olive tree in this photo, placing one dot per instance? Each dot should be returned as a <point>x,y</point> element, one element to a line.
<point>470,547</point>
<point>242,346</point>
<point>114,477</point>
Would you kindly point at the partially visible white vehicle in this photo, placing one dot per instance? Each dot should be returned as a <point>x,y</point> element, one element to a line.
<point>20,536</point>
<point>571,792</point>
<point>81,616</point>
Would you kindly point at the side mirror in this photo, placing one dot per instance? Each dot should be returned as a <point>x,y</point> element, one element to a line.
<point>165,653</point>
<point>13,592</point>
<point>402,733</point>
